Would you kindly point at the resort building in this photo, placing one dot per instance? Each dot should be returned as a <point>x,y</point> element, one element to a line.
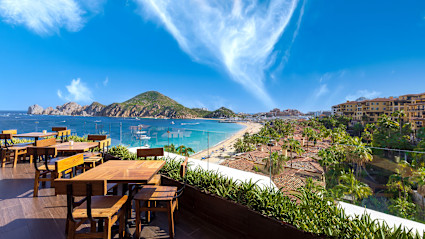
<point>369,111</point>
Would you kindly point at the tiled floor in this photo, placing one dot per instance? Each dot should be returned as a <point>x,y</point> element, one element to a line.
<point>22,216</point>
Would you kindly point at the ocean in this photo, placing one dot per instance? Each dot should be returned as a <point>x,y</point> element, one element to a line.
<point>132,132</point>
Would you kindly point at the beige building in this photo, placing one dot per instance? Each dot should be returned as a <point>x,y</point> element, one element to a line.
<point>369,111</point>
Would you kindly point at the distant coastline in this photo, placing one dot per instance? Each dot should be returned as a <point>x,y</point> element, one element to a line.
<point>150,104</point>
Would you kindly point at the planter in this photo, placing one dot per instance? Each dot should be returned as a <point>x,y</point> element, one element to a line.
<point>232,216</point>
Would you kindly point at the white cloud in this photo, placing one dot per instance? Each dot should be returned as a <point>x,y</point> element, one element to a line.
<point>105,82</point>
<point>363,93</point>
<point>77,91</point>
<point>239,36</point>
<point>322,90</point>
<point>47,16</point>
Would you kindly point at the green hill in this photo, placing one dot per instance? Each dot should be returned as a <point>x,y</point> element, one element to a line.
<point>221,113</point>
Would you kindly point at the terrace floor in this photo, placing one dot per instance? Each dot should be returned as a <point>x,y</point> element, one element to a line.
<point>22,216</point>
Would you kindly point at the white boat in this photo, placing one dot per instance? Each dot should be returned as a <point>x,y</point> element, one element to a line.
<point>172,122</point>
<point>97,121</point>
<point>143,137</point>
<point>141,132</point>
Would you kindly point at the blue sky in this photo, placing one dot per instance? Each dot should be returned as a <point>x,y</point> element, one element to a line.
<point>249,56</point>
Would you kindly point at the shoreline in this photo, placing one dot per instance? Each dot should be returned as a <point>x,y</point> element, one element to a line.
<point>224,149</point>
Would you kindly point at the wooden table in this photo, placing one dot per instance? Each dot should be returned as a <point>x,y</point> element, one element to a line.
<point>35,135</point>
<point>124,172</point>
<point>77,147</point>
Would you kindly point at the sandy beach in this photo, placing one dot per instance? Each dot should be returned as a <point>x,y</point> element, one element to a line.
<point>225,149</point>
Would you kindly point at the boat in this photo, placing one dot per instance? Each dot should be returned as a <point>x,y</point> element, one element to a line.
<point>143,137</point>
<point>97,121</point>
<point>172,122</point>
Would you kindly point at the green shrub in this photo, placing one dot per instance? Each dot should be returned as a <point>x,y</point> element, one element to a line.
<point>122,152</point>
<point>310,209</point>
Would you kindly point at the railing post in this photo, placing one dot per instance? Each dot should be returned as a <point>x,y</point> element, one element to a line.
<point>120,132</point>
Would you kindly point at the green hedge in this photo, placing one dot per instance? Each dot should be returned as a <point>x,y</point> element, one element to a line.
<point>310,209</point>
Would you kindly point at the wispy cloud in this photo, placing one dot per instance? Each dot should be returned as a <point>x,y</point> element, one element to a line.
<point>106,81</point>
<point>322,90</point>
<point>77,91</point>
<point>363,93</point>
<point>47,16</point>
<point>239,36</point>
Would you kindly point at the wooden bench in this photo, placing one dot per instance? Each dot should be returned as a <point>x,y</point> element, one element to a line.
<point>52,166</point>
<point>91,159</point>
<point>154,198</point>
<point>11,150</point>
<point>95,208</point>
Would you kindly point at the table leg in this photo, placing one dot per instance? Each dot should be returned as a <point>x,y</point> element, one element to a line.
<point>127,214</point>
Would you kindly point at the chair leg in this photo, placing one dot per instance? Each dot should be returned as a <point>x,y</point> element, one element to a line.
<point>36,183</point>
<point>107,230</point>
<point>15,159</point>
<point>122,226</point>
<point>3,159</point>
<point>31,159</point>
<point>138,224</point>
<point>92,226</point>
<point>170,219</point>
<point>71,230</point>
<point>148,213</point>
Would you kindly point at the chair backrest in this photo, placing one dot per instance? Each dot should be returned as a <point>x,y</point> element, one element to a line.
<point>7,140</point>
<point>59,128</point>
<point>63,135</point>
<point>87,189</point>
<point>79,188</point>
<point>6,136</point>
<point>183,167</point>
<point>96,137</point>
<point>153,152</point>
<point>9,131</point>
<point>45,142</point>
<point>104,144</point>
<point>69,162</point>
<point>42,151</point>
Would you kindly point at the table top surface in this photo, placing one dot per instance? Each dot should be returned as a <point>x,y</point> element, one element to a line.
<point>35,135</point>
<point>76,147</point>
<point>123,171</point>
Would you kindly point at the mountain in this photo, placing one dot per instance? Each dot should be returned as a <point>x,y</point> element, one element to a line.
<point>221,113</point>
<point>148,104</point>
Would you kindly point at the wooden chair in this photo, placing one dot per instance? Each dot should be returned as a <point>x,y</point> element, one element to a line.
<point>53,167</point>
<point>94,138</point>
<point>91,159</point>
<point>63,135</point>
<point>95,208</point>
<point>59,128</point>
<point>155,153</point>
<point>159,199</point>
<point>45,142</point>
<point>11,150</point>
<point>10,131</point>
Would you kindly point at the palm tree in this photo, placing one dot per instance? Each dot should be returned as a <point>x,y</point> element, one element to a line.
<point>349,185</point>
<point>184,151</point>
<point>307,132</point>
<point>295,147</point>
<point>181,149</point>
<point>170,148</point>
<point>275,163</point>
<point>398,115</point>
<point>358,153</point>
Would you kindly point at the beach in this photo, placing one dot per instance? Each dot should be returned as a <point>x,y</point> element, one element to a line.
<point>225,149</point>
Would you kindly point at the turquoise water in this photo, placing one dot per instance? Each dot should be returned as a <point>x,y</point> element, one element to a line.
<point>197,134</point>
